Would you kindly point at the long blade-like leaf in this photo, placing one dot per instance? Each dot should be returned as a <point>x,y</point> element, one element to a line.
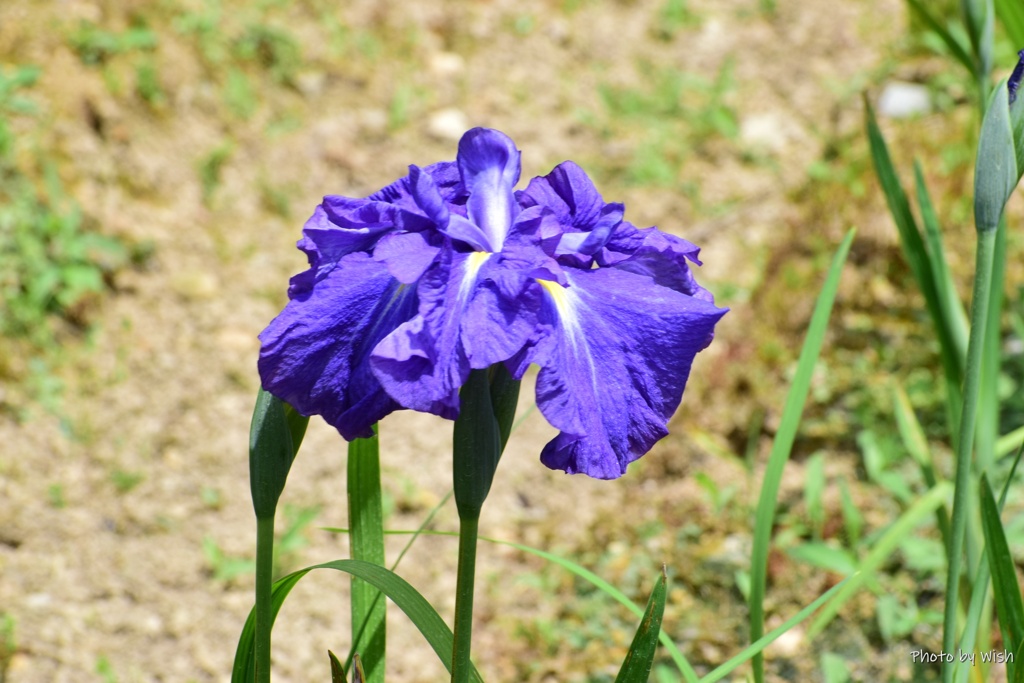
<point>917,257</point>
<point>366,541</point>
<point>677,657</point>
<point>420,613</point>
<point>1009,605</point>
<point>783,444</point>
<point>1011,14</point>
<point>958,50</point>
<point>636,668</point>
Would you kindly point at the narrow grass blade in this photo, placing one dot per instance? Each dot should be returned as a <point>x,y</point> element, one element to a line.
<point>917,445</point>
<point>956,48</point>
<point>949,302</point>
<point>979,589</point>
<point>677,657</point>
<point>917,256</point>
<point>1008,443</point>
<point>420,613</point>
<point>1009,605</point>
<point>366,541</point>
<point>783,444</point>
<point>881,551</point>
<point>1011,14</point>
<point>759,645</point>
<point>636,668</point>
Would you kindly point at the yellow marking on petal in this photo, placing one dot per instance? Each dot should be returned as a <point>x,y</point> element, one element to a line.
<point>474,262</point>
<point>558,295</point>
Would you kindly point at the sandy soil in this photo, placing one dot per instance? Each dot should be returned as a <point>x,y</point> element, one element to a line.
<point>114,579</point>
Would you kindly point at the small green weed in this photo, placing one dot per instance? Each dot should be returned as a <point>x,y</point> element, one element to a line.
<point>125,480</point>
<point>51,265</point>
<point>210,167</point>
<point>95,46</point>
<point>105,669</point>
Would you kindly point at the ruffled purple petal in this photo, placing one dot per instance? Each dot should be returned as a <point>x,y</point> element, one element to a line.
<point>422,363</point>
<point>408,254</point>
<point>315,353</point>
<point>659,255</point>
<point>489,164</point>
<point>613,366</point>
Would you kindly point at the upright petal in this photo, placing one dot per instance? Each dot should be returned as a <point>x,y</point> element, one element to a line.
<point>489,164</point>
<point>614,365</point>
<point>315,353</point>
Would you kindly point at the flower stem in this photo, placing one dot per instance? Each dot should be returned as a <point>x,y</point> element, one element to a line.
<point>461,665</point>
<point>975,346</point>
<point>264,584</point>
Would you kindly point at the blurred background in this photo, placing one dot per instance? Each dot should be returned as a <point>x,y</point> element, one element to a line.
<point>157,161</point>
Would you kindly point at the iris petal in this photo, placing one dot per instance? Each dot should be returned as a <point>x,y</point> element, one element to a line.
<point>315,353</point>
<point>423,362</point>
<point>614,365</point>
<point>489,164</point>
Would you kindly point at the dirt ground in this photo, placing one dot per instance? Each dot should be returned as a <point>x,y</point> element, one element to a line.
<point>146,451</point>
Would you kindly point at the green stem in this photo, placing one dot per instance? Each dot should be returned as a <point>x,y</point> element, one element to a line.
<point>975,346</point>
<point>264,583</point>
<point>461,665</point>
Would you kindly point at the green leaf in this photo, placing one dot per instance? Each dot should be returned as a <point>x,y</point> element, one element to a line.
<point>677,657</point>
<point>636,668</point>
<point>953,314</point>
<point>783,444</point>
<point>1011,14</point>
<point>423,616</point>
<point>1009,605</point>
<point>958,49</point>
<point>920,262</point>
<point>337,670</point>
<point>366,542</point>
<point>825,556</point>
<point>916,443</point>
<point>881,551</point>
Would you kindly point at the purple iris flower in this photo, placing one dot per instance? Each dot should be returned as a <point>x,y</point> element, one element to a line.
<point>450,269</point>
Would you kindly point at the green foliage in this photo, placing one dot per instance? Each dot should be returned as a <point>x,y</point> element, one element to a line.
<point>51,264</point>
<point>8,643</point>
<point>124,480</point>
<point>408,599</point>
<point>680,113</point>
<point>95,46</point>
<point>211,167</point>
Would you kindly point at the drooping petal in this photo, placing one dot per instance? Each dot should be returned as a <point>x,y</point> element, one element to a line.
<point>489,164</point>
<point>422,363</point>
<point>657,254</point>
<point>315,353</point>
<point>614,365</point>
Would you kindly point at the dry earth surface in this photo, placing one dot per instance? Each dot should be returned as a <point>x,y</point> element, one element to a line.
<point>147,448</point>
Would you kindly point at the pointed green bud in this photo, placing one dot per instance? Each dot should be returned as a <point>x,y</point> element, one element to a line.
<point>274,437</point>
<point>995,171</point>
<point>488,405</point>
